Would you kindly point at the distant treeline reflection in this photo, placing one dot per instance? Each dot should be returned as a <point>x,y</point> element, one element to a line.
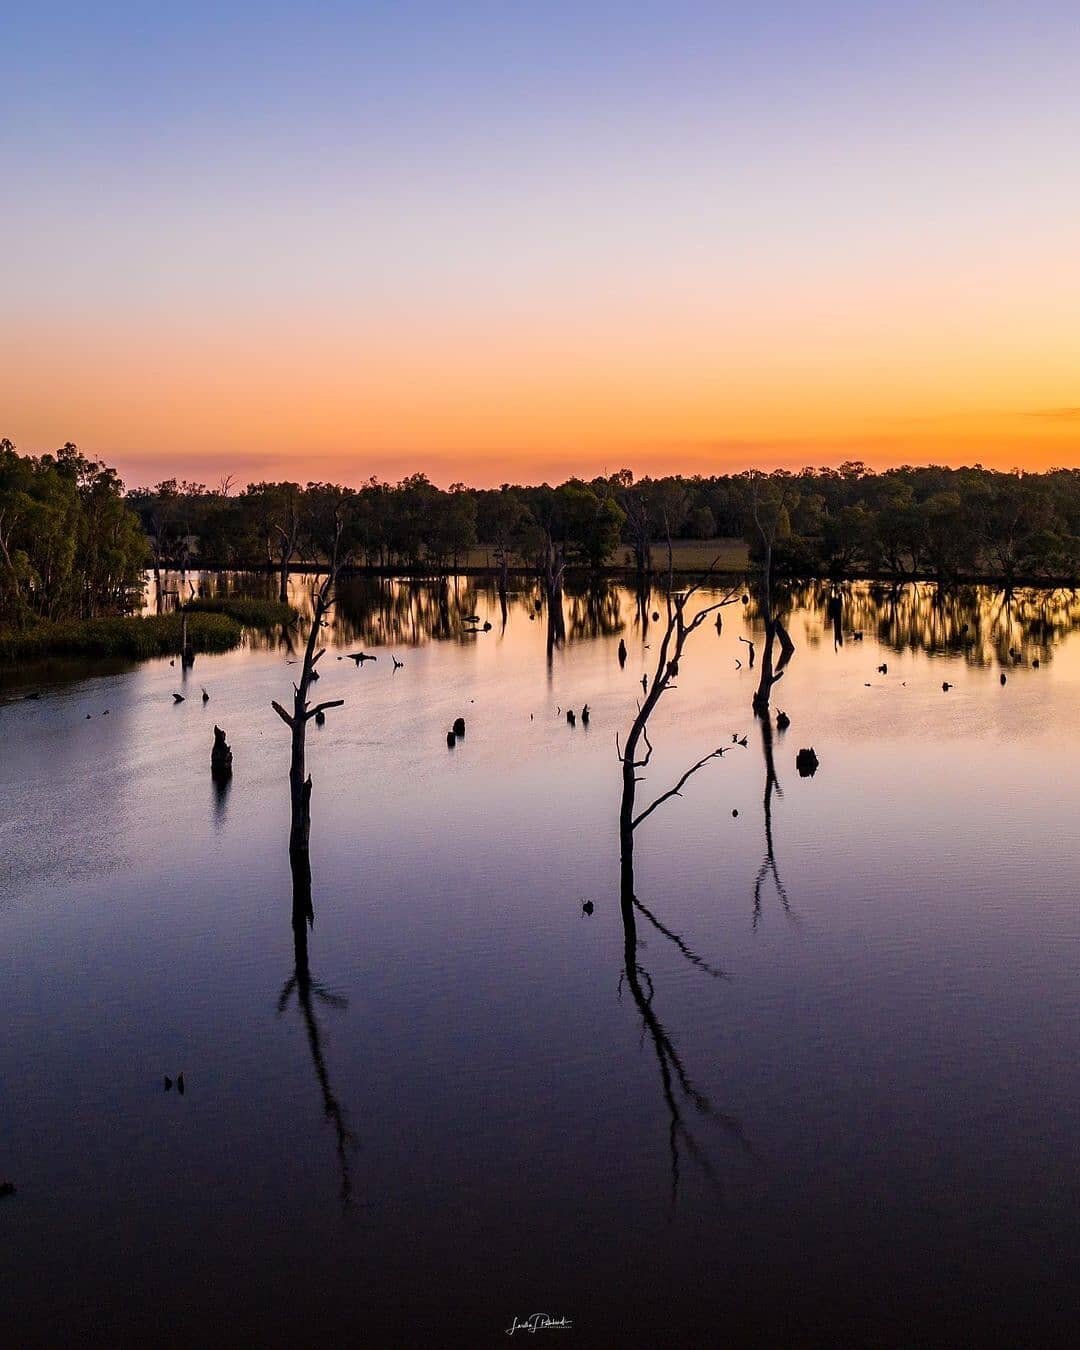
<point>984,624</point>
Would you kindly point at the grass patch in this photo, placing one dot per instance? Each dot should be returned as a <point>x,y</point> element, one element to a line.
<point>687,555</point>
<point>693,555</point>
<point>249,612</point>
<point>136,638</point>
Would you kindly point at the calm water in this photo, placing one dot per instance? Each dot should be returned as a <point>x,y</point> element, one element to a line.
<point>837,1101</point>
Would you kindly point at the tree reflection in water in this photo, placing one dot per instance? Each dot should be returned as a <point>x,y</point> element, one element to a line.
<point>685,1102</point>
<point>309,992</point>
<point>683,1099</point>
<point>768,866</point>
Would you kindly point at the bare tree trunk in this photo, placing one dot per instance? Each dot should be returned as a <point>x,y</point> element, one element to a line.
<point>553,566</point>
<point>504,585</point>
<point>297,720</point>
<point>774,630</point>
<point>670,653</point>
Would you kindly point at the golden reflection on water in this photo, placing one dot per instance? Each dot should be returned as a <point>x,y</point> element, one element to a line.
<point>983,625</point>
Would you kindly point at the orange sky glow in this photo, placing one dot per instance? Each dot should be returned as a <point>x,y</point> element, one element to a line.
<point>582,245</point>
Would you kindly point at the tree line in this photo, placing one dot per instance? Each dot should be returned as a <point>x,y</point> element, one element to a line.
<point>907,522</point>
<point>70,545</point>
<point>74,544</point>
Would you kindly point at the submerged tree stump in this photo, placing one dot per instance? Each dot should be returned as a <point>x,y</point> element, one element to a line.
<point>220,756</point>
<point>806,761</point>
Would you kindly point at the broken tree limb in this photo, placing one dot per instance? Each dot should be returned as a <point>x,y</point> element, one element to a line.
<point>321,707</point>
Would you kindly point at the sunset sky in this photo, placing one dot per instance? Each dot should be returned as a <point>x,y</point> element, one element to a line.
<point>514,239</point>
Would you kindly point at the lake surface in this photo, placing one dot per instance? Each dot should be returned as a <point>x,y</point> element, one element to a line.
<point>831,1097</point>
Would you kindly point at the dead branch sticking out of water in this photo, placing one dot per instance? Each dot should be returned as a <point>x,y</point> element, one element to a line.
<point>302,712</point>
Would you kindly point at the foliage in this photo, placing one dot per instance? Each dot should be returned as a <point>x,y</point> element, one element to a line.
<point>127,636</point>
<point>912,521</point>
<point>70,546</point>
<point>249,612</point>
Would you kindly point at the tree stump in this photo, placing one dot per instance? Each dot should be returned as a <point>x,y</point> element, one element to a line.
<point>806,761</point>
<point>220,756</point>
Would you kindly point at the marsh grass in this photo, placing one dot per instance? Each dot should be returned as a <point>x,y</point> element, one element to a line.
<point>250,612</point>
<point>134,637</point>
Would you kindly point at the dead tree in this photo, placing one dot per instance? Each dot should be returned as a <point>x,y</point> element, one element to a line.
<point>670,653</point>
<point>681,1096</point>
<point>768,517</point>
<point>302,713</point>
<point>552,568</point>
<point>288,540</point>
<point>639,528</point>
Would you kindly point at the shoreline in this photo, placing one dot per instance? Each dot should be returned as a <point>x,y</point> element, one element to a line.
<point>629,576</point>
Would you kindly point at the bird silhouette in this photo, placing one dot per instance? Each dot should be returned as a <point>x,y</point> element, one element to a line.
<point>205,696</point>
<point>587,907</point>
<point>178,698</point>
<point>361,657</point>
<point>946,685</point>
<point>397,664</point>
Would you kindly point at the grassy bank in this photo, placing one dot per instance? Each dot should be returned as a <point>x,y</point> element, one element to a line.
<point>687,555</point>
<point>251,613</point>
<point>134,638</point>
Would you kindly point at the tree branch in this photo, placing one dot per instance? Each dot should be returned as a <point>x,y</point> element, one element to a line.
<point>676,790</point>
<point>320,707</point>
